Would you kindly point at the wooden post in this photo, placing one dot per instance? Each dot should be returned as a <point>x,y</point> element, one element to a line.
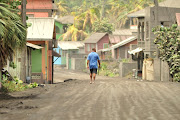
<point>23,52</point>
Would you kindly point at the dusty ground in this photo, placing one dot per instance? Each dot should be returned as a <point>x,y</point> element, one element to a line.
<point>107,99</point>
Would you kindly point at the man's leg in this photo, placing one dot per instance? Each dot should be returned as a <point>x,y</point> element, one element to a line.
<point>94,77</point>
<point>90,78</point>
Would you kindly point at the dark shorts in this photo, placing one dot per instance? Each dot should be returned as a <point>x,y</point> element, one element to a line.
<point>94,70</point>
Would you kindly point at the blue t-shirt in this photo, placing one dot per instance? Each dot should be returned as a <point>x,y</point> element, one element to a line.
<point>93,57</point>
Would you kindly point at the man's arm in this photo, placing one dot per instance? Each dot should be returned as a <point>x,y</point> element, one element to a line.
<point>88,64</point>
<point>99,63</point>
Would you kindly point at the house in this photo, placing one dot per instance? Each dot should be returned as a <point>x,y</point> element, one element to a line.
<point>121,49</point>
<point>121,34</point>
<point>146,21</point>
<point>62,25</point>
<point>40,8</point>
<point>98,41</point>
<point>41,33</point>
<point>70,47</point>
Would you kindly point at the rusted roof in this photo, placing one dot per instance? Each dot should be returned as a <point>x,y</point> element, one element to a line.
<point>118,38</point>
<point>121,34</point>
<point>178,18</point>
<point>39,4</point>
<point>95,37</point>
<point>124,42</point>
<point>66,19</point>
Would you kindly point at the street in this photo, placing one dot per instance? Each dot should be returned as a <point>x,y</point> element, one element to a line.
<point>107,99</point>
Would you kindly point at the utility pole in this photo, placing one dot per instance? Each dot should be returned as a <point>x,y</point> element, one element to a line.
<point>23,51</point>
<point>156,21</point>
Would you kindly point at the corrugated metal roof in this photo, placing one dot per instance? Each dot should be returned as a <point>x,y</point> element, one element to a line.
<point>38,4</point>
<point>114,39</point>
<point>41,28</point>
<point>124,31</point>
<point>95,37</point>
<point>70,45</point>
<point>124,42</point>
<point>33,45</point>
<point>140,13</point>
<point>66,19</point>
<point>137,50</point>
<point>178,18</point>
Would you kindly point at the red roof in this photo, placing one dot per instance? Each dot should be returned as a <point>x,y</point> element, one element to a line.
<point>39,4</point>
<point>118,38</point>
<point>178,18</point>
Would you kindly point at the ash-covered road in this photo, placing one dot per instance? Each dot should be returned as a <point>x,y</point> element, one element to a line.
<point>107,99</point>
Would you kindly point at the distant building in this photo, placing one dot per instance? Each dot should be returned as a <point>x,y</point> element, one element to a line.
<point>62,25</point>
<point>42,33</point>
<point>98,41</point>
<point>70,47</point>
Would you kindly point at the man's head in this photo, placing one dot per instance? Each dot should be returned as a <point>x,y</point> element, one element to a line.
<point>94,49</point>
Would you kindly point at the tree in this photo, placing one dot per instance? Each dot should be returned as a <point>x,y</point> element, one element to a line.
<point>12,33</point>
<point>103,26</point>
<point>74,34</point>
<point>63,9</point>
<point>168,42</point>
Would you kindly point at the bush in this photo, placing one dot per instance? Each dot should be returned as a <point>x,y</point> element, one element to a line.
<point>15,85</point>
<point>168,42</point>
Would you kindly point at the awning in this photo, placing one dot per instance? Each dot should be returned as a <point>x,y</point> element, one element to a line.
<point>137,50</point>
<point>105,50</point>
<point>54,53</point>
<point>33,46</point>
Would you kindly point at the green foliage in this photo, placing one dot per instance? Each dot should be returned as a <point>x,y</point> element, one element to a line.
<point>15,85</point>
<point>106,71</point>
<point>168,42</point>
<point>12,32</point>
<point>103,26</point>
<point>13,65</point>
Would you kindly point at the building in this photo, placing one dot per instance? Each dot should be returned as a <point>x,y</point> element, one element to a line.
<point>41,33</point>
<point>98,41</point>
<point>40,8</point>
<point>62,25</point>
<point>146,21</point>
<point>121,34</point>
<point>121,49</point>
<point>70,47</point>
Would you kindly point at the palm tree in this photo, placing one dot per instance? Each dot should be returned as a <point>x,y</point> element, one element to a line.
<point>74,34</point>
<point>12,33</point>
<point>87,18</point>
<point>63,8</point>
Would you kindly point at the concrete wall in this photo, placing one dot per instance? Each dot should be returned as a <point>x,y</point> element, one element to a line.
<point>126,68</point>
<point>165,14</point>
<point>161,71</point>
<point>78,64</point>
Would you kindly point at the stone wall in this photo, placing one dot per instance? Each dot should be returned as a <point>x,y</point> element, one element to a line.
<point>78,64</point>
<point>126,68</point>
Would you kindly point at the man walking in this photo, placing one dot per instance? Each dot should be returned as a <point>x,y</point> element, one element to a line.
<point>92,60</point>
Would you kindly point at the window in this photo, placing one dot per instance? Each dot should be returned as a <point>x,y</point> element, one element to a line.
<point>105,45</point>
<point>92,46</point>
<point>88,47</point>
